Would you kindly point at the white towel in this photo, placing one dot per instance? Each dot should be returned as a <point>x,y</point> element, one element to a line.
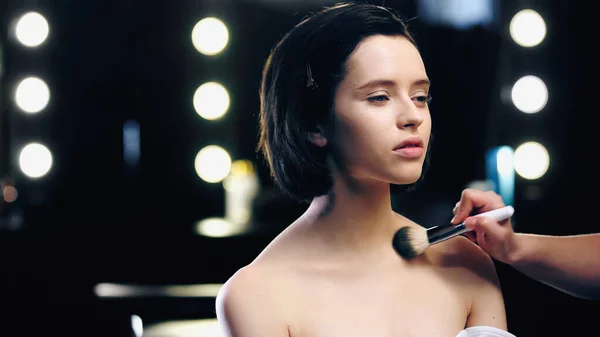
<point>484,331</point>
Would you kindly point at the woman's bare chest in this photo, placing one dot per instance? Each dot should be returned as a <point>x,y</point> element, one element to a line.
<point>421,305</point>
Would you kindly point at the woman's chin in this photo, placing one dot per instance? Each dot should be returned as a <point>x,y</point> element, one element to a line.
<point>407,179</point>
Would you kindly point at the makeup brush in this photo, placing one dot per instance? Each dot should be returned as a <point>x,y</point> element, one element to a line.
<point>410,242</point>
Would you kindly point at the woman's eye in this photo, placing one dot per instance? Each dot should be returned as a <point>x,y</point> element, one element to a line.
<point>425,99</point>
<point>380,98</point>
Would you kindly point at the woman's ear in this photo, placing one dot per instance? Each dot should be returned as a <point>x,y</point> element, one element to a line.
<point>317,137</point>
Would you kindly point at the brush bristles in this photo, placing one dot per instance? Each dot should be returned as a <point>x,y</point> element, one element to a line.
<point>410,242</point>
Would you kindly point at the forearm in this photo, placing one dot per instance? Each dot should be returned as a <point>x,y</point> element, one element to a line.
<point>569,263</point>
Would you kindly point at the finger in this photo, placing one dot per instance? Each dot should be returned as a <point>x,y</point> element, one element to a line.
<point>482,238</point>
<point>475,199</point>
<point>485,225</point>
<point>484,229</point>
<point>456,207</point>
<point>465,205</point>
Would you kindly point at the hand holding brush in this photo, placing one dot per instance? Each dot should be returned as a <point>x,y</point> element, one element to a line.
<point>411,242</point>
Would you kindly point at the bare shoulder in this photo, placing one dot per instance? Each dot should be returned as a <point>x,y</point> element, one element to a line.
<point>475,275</point>
<point>250,303</point>
<point>259,298</point>
<point>462,253</point>
<point>248,282</point>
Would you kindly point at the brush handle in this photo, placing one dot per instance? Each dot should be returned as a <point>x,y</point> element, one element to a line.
<point>442,233</point>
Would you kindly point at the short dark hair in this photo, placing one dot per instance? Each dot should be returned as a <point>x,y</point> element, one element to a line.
<point>299,83</point>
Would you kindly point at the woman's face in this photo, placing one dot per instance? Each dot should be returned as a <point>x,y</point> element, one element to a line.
<point>382,120</point>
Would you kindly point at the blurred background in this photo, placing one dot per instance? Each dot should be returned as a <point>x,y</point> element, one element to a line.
<point>131,188</point>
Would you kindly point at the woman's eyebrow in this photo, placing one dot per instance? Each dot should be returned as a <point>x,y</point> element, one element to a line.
<point>391,83</point>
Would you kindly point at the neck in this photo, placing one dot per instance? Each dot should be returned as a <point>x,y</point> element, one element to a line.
<point>356,218</point>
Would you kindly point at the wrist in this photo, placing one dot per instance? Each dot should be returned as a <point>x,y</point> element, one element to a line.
<point>517,253</point>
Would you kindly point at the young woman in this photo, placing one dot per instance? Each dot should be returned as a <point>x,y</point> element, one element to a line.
<point>344,116</point>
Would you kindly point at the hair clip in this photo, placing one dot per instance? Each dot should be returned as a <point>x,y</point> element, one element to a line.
<point>310,82</point>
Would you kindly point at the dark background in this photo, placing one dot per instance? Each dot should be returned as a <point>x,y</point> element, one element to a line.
<point>109,61</point>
